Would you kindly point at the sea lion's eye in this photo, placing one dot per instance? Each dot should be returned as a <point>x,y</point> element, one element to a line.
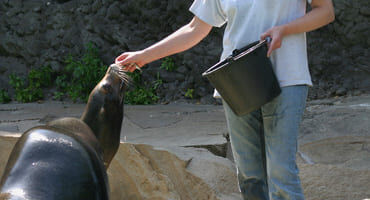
<point>107,88</point>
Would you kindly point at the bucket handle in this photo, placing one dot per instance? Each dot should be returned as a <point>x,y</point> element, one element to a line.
<point>267,40</point>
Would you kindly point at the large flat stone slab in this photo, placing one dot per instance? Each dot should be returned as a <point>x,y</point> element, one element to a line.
<point>157,125</point>
<point>27,115</point>
<point>330,182</point>
<point>335,118</point>
<point>348,151</point>
<point>174,125</point>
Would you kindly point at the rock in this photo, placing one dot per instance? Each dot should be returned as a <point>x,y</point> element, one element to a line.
<point>335,60</point>
<point>10,44</point>
<point>3,69</point>
<point>8,128</point>
<point>341,91</point>
<point>16,4</point>
<point>37,9</point>
<point>329,182</point>
<point>133,25</point>
<point>56,66</point>
<point>333,154</point>
<point>96,6</point>
<point>207,99</point>
<point>327,119</point>
<point>167,76</point>
<point>113,11</point>
<point>182,69</point>
<point>62,1</point>
<point>356,92</point>
<point>85,9</point>
<point>174,176</point>
<point>346,151</point>
<point>143,172</point>
<point>88,2</point>
<point>102,12</point>
<point>61,21</point>
<point>339,168</point>
<point>71,37</point>
<point>10,65</point>
<point>365,11</point>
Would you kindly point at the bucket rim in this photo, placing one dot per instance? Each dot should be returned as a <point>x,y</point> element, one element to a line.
<point>220,65</point>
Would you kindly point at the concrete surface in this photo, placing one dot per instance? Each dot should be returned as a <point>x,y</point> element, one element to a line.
<point>195,125</point>
<point>157,125</point>
<point>334,155</point>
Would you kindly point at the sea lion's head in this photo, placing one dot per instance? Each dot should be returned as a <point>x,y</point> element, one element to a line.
<point>104,111</point>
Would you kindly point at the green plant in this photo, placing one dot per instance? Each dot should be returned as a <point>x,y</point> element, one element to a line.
<point>142,93</point>
<point>189,93</point>
<point>81,75</point>
<point>22,92</point>
<point>42,77</point>
<point>158,82</point>
<point>61,82</point>
<point>58,95</point>
<point>78,78</point>
<point>29,89</point>
<point>168,64</point>
<point>4,96</point>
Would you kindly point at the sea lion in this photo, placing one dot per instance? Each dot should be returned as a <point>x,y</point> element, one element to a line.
<point>67,159</point>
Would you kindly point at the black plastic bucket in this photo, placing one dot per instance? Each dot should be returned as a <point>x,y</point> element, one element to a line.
<point>245,80</point>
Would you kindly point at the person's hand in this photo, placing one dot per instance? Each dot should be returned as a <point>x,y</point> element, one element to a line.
<point>130,61</point>
<point>276,34</point>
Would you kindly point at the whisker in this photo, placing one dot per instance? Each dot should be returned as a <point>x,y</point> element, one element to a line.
<point>120,73</point>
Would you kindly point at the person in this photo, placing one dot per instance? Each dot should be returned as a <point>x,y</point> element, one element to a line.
<point>264,142</point>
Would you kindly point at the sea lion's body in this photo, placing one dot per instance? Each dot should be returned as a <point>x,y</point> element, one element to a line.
<point>67,158</point>
<point>58,161</point>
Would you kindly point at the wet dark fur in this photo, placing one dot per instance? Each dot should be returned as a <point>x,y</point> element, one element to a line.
<point>68,157</point>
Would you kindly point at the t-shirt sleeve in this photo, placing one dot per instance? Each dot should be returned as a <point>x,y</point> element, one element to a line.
<point>209,11</point>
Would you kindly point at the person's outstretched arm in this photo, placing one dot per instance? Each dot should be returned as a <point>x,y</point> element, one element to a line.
<point>322,13</point>
<point>181,40</point>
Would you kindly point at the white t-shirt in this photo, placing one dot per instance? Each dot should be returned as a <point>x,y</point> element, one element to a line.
<point>248,19</point>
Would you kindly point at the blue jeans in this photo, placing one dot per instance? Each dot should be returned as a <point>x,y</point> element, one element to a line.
<point>264,145</point>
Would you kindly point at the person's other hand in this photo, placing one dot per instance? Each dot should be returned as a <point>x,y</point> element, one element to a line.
<point>276,34</point>
<point>129,61</point>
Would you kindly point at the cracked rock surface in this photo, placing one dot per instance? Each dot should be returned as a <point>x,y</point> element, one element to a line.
<point>333,158</point>
<point>157,125</point>
<point>334,144</point>
<point>141,172</point>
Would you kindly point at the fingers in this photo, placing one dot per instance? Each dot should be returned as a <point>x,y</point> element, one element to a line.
<point>265,35</point>
<point>120,59</point>
<point>275,44</point>
<point>131,67</point>
<point>130,61</point>
<point>123,61</point>
<point>269,51</point>
<point>276,35</point>
<point>269,45</point>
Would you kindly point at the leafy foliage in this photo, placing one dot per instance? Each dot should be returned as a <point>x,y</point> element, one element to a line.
<point>142,93</point>
<point>158,82</point>
<point>81,75</point>
<point>189,93</point>
<point>168,64</point>
<point>41,77</point>
<point>78,78</point>
<point>4,96</point>
<point>29,89</point>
